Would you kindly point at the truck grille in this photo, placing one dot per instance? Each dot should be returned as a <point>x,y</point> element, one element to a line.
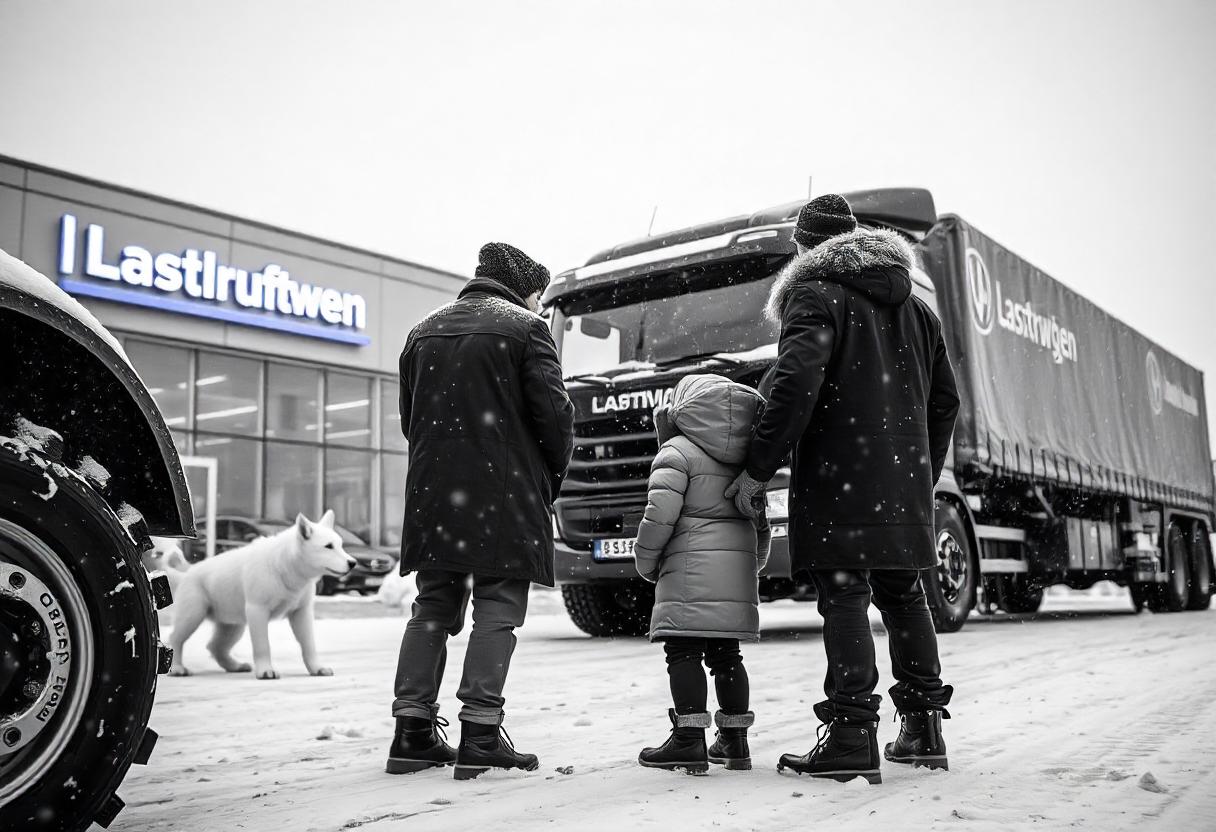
<point>585,519</point>
<point>612,452</point>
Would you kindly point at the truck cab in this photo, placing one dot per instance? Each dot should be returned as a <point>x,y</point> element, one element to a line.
<point>631,323</point>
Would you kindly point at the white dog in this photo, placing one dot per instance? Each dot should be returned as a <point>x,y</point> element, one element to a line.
<point>166,556</point>
<point>270,578</point>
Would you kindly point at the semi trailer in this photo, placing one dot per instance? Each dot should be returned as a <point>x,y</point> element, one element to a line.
<point>1080,453</point>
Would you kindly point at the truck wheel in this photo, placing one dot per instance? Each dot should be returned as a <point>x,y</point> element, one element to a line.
<point>951,587</point>
<point>1200,595</point>
<point>80,645</point>
<point>1172,595</point>
<point>604,610</point>
<point>1017,594</point>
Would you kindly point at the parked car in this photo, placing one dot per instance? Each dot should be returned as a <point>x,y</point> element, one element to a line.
<point>233,531</point>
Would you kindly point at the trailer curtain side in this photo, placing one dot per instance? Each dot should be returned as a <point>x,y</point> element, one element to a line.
<point>1055,389</point>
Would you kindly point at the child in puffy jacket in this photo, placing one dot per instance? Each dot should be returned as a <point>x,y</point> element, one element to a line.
<point>704,558</point>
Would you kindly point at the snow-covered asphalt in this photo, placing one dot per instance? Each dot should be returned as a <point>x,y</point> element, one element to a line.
<point>1084,716</point>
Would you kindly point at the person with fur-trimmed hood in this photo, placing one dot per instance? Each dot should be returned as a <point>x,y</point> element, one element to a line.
<point>864,396</point>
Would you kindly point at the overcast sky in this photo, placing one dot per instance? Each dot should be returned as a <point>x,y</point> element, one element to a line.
<point>1081,135</point>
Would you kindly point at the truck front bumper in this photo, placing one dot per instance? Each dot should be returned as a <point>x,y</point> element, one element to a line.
<point>576,566</point>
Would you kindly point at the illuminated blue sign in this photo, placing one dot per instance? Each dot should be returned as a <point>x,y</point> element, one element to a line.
<point>194,282</point>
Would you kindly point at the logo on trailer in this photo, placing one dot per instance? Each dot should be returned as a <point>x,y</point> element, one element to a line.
<point>1156,384</point>
<point>1162,391</point>
<point>979,286</point>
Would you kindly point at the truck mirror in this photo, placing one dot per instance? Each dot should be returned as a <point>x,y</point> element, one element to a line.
<point>595,329</point>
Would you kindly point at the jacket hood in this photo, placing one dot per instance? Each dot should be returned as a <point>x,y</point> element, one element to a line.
<point>716,414</point>
<point>489,286</point>
<point>873,262</point>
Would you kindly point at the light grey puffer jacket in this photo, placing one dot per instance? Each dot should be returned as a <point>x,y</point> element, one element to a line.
<point>702,554</point>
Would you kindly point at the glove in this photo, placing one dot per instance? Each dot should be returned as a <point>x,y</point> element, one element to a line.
<point>748,495</point>
<point>663,424</point>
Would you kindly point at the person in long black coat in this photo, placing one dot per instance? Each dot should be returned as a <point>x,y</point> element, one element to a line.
<point>490,432</point>
<point>864,395</point>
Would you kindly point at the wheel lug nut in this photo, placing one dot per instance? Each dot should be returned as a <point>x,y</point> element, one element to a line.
<point>12,736</point>
<point>16,580</point>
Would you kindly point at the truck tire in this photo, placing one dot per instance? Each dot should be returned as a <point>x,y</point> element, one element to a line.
<point>1200,549</point>
<point>1172,595</point>
<point>602,610</point>
<point>94,669</point>
<point>951,587</point>
<point>1017,594</point>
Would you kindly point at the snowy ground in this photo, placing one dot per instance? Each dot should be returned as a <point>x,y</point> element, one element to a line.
<point>1084,716</point>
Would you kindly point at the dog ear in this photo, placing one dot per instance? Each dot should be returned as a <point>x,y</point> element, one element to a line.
<point>303,527</point>
<point>327,519</point>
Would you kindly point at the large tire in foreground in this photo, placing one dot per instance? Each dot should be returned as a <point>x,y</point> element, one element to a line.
<point>1199,548</point>
<point>951,586</point>
<point>80,691</point>
<point>610,609</point>
<point>1172,595</point>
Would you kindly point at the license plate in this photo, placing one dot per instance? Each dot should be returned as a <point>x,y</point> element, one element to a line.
<point>616,548</point>
<point>373,580</point>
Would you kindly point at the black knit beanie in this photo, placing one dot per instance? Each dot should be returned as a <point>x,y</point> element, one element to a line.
<point>512,268</point>
<point>824,217</point>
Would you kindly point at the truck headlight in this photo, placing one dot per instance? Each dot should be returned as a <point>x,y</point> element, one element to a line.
<point>777,503</point>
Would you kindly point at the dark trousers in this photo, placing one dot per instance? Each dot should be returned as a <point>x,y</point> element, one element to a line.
<point>844,599</point>
<point>499,606</point>
<point>688,687</point>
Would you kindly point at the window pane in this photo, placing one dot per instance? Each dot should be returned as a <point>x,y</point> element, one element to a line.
<point>165,370</point>
<point>291,480</point>
<point>392,491</point>
<point>291,403</point>
<point>391,437</point>
<point>227,394</point>
<point>348,481</point>
<point>237,474</point>
<point>348,401</point>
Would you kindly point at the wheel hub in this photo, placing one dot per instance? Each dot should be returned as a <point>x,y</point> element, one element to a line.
<point>39,655</point>
<point>47,656</point>
<point>951,566</point>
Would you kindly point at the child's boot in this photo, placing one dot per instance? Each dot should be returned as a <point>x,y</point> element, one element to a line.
<point>730,748</point>
<point>685,748</point>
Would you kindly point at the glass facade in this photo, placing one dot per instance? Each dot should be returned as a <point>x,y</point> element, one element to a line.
<point>286,437</point>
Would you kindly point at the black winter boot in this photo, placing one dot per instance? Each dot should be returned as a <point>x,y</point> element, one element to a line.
<point>845,750</point>
<point>684,749</point>
<point>418,746</point>
<point>920,743</point>
<point>730,748</point>
<point>483,747</point>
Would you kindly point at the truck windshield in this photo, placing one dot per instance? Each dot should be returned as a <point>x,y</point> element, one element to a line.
<point>661,320</point>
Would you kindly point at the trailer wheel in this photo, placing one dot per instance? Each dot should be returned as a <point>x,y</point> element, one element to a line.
<point>603,610</point>
<point>1017,594</point>
<point>1200,595</point>
<point>951,587</point>
<point>1172,595</point>
<point>80,646</point>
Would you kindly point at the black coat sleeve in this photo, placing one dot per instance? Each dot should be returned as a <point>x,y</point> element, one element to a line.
<point>808,336</point>
<point>549,410</point>
<point>406,398</point>
<point>943,406</point>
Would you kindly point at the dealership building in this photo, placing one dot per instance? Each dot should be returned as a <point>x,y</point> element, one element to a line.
<point>270,352</point>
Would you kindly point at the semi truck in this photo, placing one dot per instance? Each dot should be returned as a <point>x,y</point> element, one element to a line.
<point>1080,453</point>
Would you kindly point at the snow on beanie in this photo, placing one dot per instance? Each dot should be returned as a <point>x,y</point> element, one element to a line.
<point>512,268</point>
<point>824,217</point>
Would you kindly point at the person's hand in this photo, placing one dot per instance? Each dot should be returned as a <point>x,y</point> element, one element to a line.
<point>748,495</point>
<point>663,425</point>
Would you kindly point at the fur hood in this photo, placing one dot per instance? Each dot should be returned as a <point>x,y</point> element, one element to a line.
<point>874,262</point>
